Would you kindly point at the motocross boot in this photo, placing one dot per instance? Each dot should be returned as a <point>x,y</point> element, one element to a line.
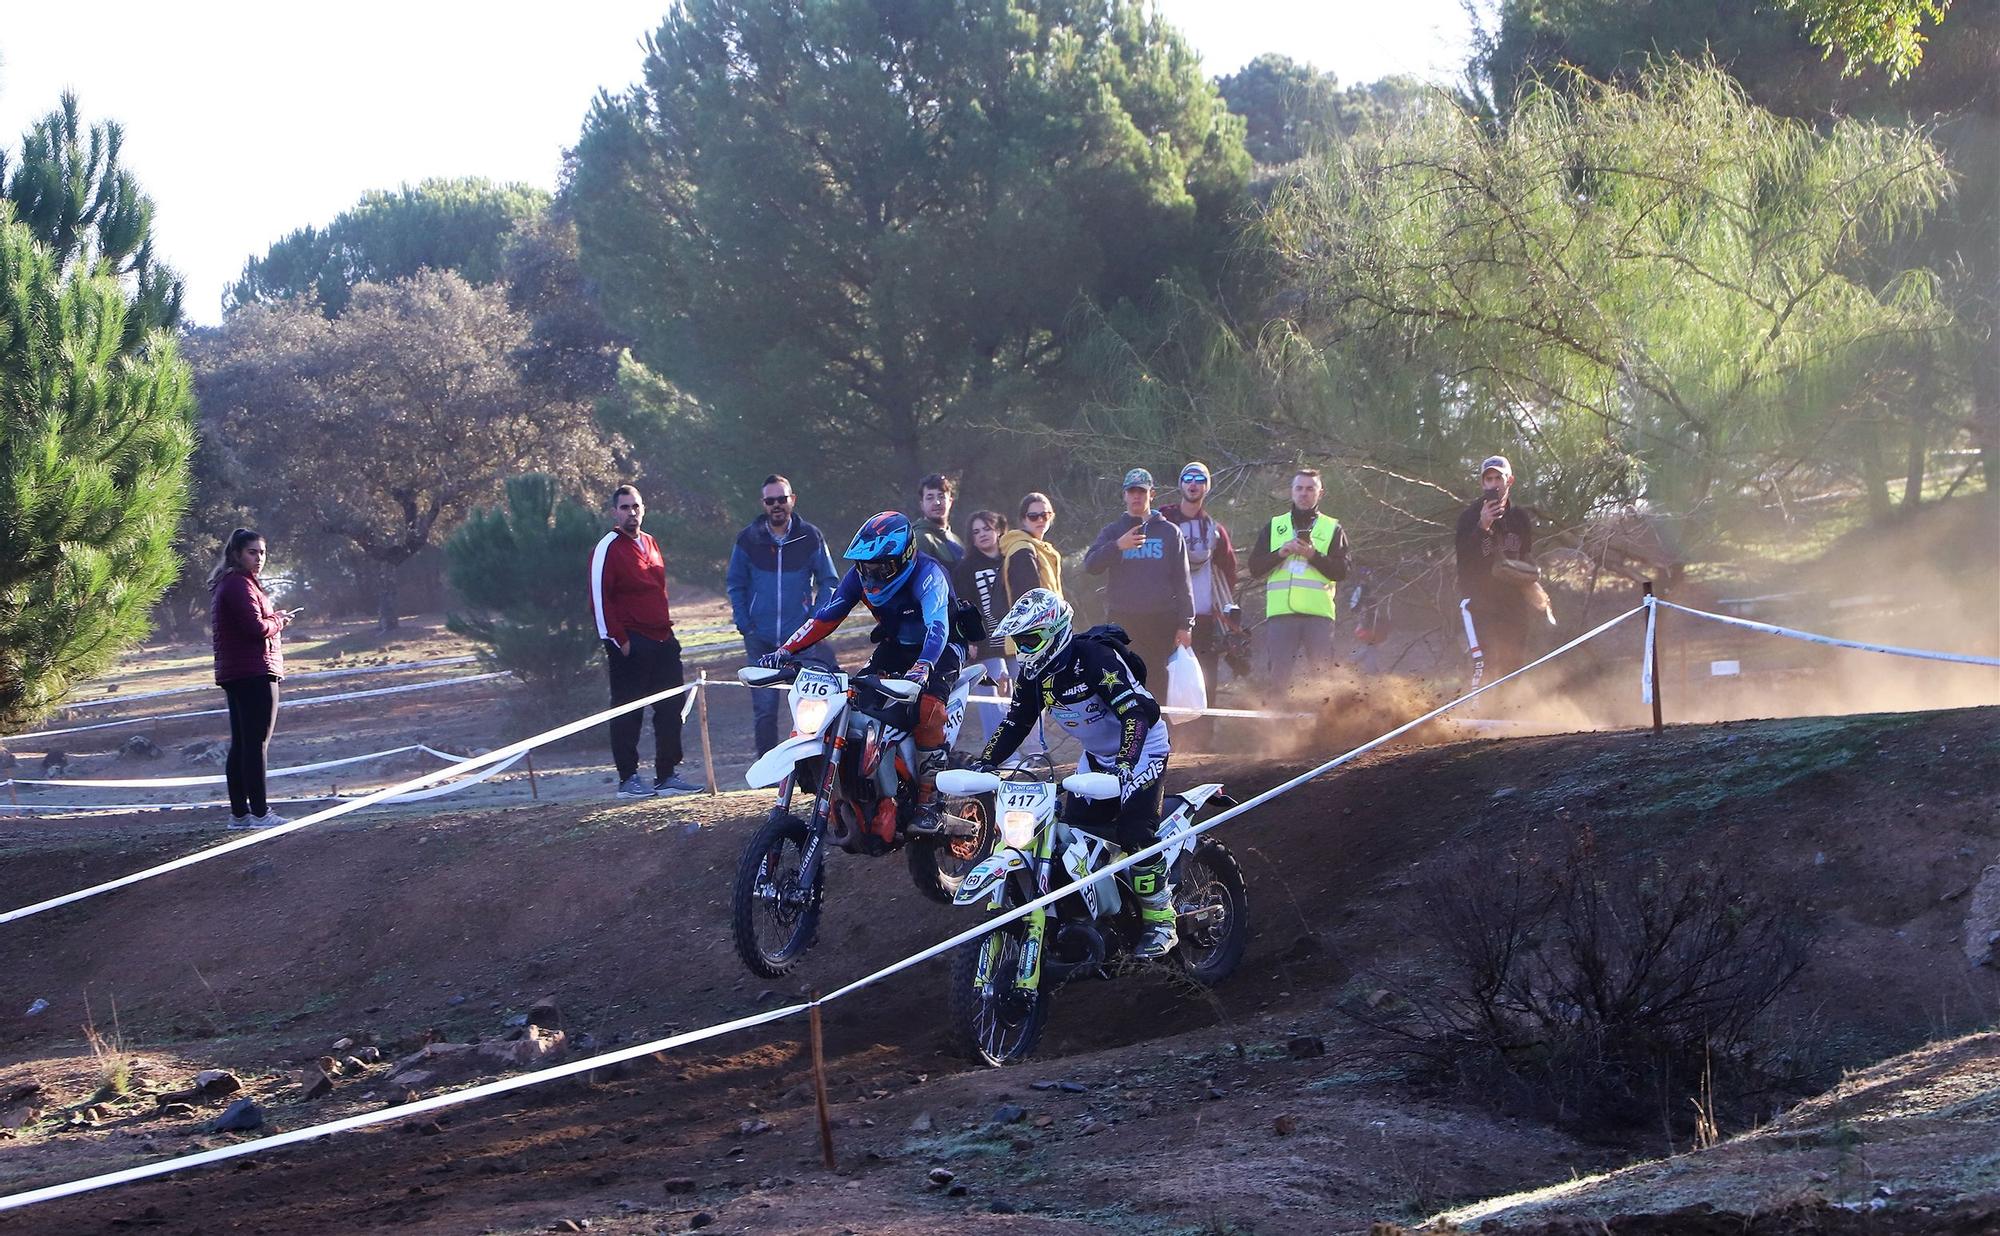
<point>930,762</point>
<point>1156,910</point>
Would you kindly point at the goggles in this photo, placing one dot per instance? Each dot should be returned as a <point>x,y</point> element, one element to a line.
<point>1031,641</point>
<point>880,571</point>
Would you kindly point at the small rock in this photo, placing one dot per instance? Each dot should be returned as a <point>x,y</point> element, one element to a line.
<point>1009,1113</point>
<point>1305,1046</point>
<point>941,1176</point>
<point>370,1055</point>
<point>678,1184</point>
<point>751,1128</point>
<point>1073,1088</point>
<point>701,1219</point>
<point>239,1117</point>
<point>317,1086</point>
<point>455,1001</point>
<point>923,1123</point>
<point>565,1225</point>
<point>545,1013</point>
<point>1285,1126</point>
<point>1043,1085</point>
<point>140,747</point>
<point>1093,1127</point>
<point>55,762</point>
<point>1217,1092</point>
<point>519,1019</point>
<point>176,1111</point>
<point>214,1083</point>
<point>1044,1121</point>
<point>957,1190</point>
<point>342,1044</point>
<point>352,1067</point>
<point>39,1006</point>
<point>1504,792</point>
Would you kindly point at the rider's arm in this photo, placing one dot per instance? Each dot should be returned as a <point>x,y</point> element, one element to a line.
<point>1135,709</point>
<point>1015,726</point>
<point>828,617</point>
<point>934,596</point>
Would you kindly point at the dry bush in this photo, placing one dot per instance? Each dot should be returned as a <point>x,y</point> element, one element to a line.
<point>1590,995</point>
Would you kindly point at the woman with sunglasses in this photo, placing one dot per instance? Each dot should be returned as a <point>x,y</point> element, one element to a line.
<point>1031,561</point>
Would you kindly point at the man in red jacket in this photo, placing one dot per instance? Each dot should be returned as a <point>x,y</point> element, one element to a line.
<point>628,595</point>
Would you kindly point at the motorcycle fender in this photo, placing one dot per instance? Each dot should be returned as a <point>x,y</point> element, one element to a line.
<point>990,876</point>
<point>776,764</point>
<point>1100,898</point>
<point>1198,797</point>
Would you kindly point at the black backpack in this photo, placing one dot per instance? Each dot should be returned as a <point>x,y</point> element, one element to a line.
<point>1113,636</point>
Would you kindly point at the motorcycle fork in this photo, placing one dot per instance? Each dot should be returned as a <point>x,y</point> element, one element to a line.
<point>809,862</point>
<point>1028,975</point>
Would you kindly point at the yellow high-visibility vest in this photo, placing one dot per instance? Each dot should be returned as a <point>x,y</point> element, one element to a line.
<point>1295,587</point>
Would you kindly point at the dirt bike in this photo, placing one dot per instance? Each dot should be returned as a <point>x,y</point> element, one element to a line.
<point>851,748</point>
<point>1001,984</point>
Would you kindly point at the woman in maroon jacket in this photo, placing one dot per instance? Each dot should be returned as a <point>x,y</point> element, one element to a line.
<point>248,667</point>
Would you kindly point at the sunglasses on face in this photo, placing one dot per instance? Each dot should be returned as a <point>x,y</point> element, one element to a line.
<point>778,501</point>
<point>1194,478</point>
<point>1037,516</point>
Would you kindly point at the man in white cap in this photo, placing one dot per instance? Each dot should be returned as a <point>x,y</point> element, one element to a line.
<point>1211,580</point>
<point>1496,543</point>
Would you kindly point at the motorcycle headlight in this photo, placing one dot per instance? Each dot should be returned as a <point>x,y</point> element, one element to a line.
<point>808,717</point>
<point>1017,829</point>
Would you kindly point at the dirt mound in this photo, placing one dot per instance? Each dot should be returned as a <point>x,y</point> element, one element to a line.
<point>451,925</point>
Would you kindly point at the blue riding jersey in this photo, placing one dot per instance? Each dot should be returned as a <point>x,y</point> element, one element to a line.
<point>916,615</point>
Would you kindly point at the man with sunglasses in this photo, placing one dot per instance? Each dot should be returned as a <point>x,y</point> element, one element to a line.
<point>910,596</point>
<point>778,572</point>
<point>1211,581</point>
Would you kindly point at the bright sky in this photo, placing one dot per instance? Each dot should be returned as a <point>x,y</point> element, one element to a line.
<point>244,121</point>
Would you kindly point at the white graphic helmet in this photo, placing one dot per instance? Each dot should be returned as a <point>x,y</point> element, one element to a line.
<point>1039,625</point>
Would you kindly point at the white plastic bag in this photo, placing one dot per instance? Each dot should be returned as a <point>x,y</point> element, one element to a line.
<point>1185,687</point>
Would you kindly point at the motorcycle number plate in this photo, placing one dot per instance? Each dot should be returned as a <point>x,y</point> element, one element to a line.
<point>1025,798</point>
<point>817,683</point>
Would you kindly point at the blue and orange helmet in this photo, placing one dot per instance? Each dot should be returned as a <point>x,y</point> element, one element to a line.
<point>884,552</point>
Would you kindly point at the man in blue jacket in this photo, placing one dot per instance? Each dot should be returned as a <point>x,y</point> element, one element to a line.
<point>1150,595</point>
<point>779,573</point>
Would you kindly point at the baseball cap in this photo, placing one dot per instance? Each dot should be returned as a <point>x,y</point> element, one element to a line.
<point>1500,462</point>
<point>1194,472</point>
<point>1138,478</point>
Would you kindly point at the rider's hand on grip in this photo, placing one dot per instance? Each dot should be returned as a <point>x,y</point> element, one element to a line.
<point>771,660</point>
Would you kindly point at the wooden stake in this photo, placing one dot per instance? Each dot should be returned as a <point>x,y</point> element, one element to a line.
<point>707,751</point>
<point>819,1083</point>
<point>534,790</point>
<point>1658,728</point>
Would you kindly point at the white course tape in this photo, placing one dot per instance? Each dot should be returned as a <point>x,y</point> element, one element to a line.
<point>1924,654</point>
<point>310,699</point>
<point>415,796</point>
<point>1646,685</point>
<point>164,783</point>
<point>395,667</point>
<point>506,753</point>
<point>523,1080</point>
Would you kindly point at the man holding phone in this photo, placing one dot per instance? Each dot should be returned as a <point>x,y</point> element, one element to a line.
<point>1496,612</point>
<point>1144,555</point>
<point>1301,556</point>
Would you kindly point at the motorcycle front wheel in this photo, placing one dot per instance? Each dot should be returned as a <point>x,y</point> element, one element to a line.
<point>995,1021</point>
<point>939,865</point>
<point>775,918</point>
<point>1212,913</point>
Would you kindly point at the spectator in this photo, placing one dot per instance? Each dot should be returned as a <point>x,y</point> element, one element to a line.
<point>1143,553</point>
<point>249,664</point>
<point>628,593</point>
<point>1031,561</point>
<point>778,572</point>
<point>934,534</point>
<point>1498,611</point>
<point>1211,581</point>
<point>1302,556</point>
<point>979,580</point>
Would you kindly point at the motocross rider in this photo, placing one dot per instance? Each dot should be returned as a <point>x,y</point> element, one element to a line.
<point>910,596</point>
<point>1088,687</point>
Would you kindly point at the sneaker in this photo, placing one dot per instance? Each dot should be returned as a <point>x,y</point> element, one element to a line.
<point>674,783</point>
<point>634,786</point>
<point>270,819</point>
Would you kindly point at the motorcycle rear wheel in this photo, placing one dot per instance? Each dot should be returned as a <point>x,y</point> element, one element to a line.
<point>999,1024</point>
<point>1213,907</point>
<point>939,865</point>
<point>774,919</point>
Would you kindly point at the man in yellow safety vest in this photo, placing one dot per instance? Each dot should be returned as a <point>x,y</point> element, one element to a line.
<point>1301,556</point>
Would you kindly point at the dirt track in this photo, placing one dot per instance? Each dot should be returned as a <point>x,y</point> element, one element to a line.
<point>457,920</point>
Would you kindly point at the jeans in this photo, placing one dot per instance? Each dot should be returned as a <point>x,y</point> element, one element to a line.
<point>253,716</point>
<point>653,666</point>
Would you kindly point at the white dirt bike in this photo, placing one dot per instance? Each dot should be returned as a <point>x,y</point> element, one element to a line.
<point>1001,984</point>
<point>851,748</point>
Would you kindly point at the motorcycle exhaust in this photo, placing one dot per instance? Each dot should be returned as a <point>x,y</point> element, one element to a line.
<point>842,828</point>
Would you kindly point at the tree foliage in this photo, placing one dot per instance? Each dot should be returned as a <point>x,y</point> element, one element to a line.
<point>376,432</point>
<point>70,190</point>
<point>518,568</point>
<point>1884,33</point>
<point>457,225</point>
<point>853,220</point>
<point>94,443</point>
<point>1290,108</point>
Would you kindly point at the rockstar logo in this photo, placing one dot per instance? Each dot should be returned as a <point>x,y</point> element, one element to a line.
<point>1110,678</point>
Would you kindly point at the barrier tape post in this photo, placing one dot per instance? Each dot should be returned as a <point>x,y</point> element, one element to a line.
<point>819,1081</point>
<point>707,751</point>
<point>534,790</point>
<point>1653,656</point>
